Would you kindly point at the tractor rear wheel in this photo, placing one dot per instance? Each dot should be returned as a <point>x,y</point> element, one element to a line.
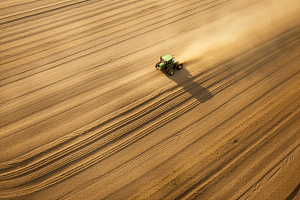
<point>179,67</point>
<point>170,72</point>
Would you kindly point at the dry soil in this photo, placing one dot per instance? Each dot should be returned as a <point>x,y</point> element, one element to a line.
<point>85,114</point>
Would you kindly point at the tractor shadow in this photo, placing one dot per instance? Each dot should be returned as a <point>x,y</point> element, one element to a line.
<point>184,79</point>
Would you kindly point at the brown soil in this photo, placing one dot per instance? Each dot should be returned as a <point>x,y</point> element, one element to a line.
<point>85,115</point>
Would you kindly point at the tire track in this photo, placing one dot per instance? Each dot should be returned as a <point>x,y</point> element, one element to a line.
<point>7,3</point>
<point>50,35</point>
<point>58,20</point>
<point>171,118</point>
<point>271,104</point>
<point>89,15</point>
<point>286,151</point>
<point>35,102</point>
<point>19,53</point>
<point>209,77</point>
<point>38,11</point>
<point>278,131</point>
<point>177,95</point>
<point>27,7</point>
<point>208,173</point>
<point>163,144</point>
<point>39,170</point>
<point>232,156</point>
<point>104,26</point>
<point>90,50</point>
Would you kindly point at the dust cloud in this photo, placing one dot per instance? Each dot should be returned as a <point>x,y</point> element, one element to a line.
<point>242,30</point>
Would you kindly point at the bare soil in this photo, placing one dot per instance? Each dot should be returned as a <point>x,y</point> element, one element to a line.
<point>85,114</point>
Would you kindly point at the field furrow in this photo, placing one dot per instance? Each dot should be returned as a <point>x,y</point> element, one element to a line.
<point>85,115</point>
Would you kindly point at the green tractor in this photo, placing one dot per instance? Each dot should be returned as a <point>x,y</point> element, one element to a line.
<point>167,64</point>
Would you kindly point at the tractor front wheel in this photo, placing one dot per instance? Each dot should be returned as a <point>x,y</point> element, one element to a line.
<point>170,72</point>
<point>157,64</point>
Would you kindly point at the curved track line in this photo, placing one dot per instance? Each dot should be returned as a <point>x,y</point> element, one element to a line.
<point>151,128</point>
<point>182,91</point>
<point>95,47</point>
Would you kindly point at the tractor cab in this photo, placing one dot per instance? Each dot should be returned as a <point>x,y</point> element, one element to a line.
<point>167,59</point>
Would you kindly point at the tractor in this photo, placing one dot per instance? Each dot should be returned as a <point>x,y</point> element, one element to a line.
<point>167,64</point>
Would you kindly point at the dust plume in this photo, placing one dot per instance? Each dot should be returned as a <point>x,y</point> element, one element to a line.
<point>242,29</point>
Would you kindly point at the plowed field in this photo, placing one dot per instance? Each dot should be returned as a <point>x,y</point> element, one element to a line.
<point>86,115</point>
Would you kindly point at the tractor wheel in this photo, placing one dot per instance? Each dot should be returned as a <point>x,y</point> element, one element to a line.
<point>170,72</point>
<point>179,67</point>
